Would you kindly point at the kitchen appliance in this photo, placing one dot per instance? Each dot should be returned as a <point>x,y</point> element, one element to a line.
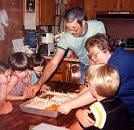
<point>47,46</point>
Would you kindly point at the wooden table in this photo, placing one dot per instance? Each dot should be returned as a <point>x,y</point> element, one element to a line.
<point>18,120</point>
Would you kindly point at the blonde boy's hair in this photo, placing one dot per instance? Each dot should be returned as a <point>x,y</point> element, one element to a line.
<point>104,78</point>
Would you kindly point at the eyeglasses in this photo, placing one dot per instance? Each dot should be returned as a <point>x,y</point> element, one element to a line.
<point>94,55</point>
<point>74,29</point>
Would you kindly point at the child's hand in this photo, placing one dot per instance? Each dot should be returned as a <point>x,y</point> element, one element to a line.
<point>83,88</point>
<point>83,117</point>
<point>6,108</point>
<point>64,108</point>
<point>25,94</point>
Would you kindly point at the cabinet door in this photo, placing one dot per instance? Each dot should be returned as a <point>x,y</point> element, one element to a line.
<point>89,7</point>
<point>60,73</point>
<point>106,5</point>
<point>46,12</point>
<point>131,5</point>
<point>125,5</point>
<point>74,3</point>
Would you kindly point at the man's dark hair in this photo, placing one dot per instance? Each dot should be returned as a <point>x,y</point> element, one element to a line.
<point>74,13</point>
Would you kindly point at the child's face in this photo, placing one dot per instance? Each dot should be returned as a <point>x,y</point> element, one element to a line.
<point>21,74</point>
<point>5,77</point>
<point>38,70</point>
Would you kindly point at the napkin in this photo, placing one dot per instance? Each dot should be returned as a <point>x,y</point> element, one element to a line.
<point>45,126</point>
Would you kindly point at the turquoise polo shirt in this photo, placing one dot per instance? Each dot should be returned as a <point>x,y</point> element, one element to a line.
<point>77,44</point>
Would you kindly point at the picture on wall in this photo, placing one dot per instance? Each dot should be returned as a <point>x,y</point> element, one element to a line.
<point>30,6</point>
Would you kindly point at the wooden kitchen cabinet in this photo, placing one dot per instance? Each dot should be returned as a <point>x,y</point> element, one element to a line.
<point>74,3</point>
<point>125,5</point>
<point>68,71</point>
<point>106,5</point>
<point>114,5</point>
<point>89,8</point>
<point>46,12</point>
<point>131,5</point>
<point>61,73</point>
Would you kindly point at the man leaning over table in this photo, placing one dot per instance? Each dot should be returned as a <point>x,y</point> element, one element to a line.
<point>77,32</point>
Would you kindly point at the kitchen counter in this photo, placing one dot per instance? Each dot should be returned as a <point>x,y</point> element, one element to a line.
<point>65,59</point>
<point>129,49</point>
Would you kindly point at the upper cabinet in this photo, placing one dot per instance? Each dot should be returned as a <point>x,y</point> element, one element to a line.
<point>125,5</point>
<point>131,5</point>
<point>114,5</point>
<point>89,8</point>
<point>93,6</point>
<point>46,12</point>
<point>74,3</point>
<point>106,5</point>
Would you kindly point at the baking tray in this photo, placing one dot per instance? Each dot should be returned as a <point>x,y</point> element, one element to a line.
<point>48,103</point>
<point>36,111</point>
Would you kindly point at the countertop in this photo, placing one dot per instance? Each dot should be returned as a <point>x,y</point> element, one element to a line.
<point>129,49</point>
<point>65,59</point>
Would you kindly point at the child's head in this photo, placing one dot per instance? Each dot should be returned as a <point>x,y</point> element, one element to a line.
<point>4,73</point>
<point>19,63</point>
<point>103,80</point>
<point>38,63</point>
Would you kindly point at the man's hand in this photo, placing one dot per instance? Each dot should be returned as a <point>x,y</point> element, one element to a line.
<point>83,118</point>
<point>45,88</point>
<point>31,91</point>
<point>64,108</point>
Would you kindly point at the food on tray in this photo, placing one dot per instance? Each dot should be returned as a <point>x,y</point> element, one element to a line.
<point>53,107</point>
<point>49,96</point>
<point>50,100</point>
<point>37,103</point>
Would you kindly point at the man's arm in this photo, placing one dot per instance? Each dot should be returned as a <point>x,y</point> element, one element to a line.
<point>47,72</point>
<point>51,66</point>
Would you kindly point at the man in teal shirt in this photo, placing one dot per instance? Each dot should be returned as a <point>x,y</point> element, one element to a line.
<point>76,33</point>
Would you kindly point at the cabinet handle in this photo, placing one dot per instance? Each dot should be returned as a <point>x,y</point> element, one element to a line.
<point>121,6</point>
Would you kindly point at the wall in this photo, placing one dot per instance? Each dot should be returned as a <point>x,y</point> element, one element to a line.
<point>15,29</point>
